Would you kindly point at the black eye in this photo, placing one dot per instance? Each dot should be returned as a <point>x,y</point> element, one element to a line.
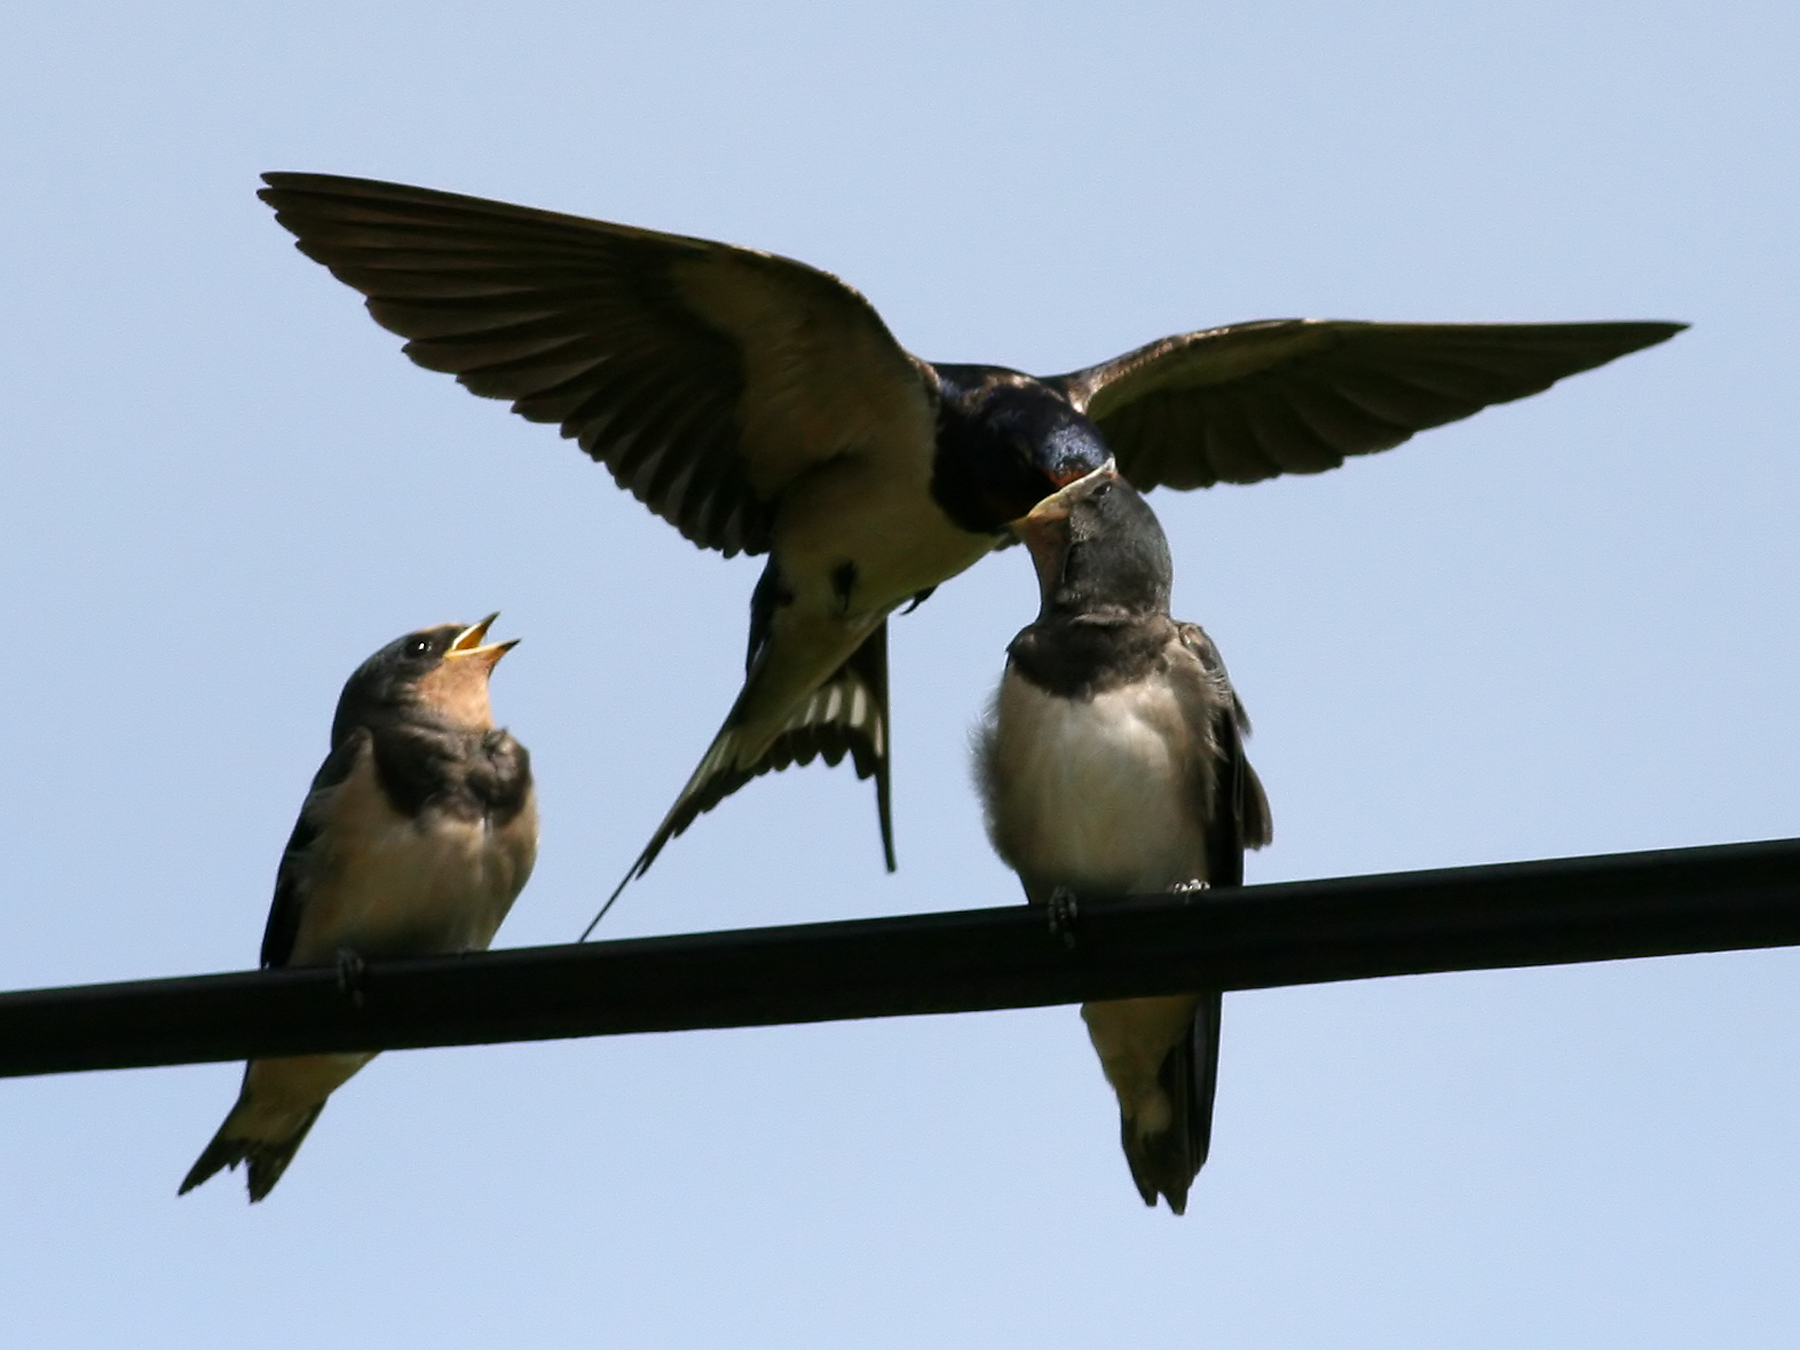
<point>419,647</point>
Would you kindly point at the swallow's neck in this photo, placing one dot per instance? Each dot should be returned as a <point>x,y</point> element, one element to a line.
<point>1082,655</point>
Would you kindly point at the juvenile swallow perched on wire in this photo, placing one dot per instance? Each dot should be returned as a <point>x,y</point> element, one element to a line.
<point>1112,763</point>
<point>761,406</point>
<point>419,831</point>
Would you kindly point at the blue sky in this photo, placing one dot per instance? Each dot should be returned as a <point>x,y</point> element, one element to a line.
<point>1566,626</point>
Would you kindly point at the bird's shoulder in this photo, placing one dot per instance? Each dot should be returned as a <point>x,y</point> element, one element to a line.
<point>1199,655</point>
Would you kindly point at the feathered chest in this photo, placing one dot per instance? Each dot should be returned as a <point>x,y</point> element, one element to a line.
<point>467,775</point>
<point>1107,792</point>
<point>407,859</point>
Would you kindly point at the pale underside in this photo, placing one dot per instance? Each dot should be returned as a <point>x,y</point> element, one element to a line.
<point>380,884</point>
<point>1100,796</point>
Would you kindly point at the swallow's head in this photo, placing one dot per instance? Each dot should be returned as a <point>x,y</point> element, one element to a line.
<point>440,673</point>
<point>1006,442</point>
<point>1098,547</point>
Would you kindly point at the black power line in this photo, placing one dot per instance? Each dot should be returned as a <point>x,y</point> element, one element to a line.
<point>1408,923</point>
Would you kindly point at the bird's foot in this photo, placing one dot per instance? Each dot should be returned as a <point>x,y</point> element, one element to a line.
<point>1194,884</point>
<point>1063,913</point>
<point>351,973</point>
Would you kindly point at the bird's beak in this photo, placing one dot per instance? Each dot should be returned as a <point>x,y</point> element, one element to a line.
<point>1070,477</point>
<point>468,643</point>
<point>1043,528</point>
<point>1058,504</point>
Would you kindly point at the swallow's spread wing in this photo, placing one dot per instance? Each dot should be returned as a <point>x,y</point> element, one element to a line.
<point>1252,400</point>
<point>706,377</point>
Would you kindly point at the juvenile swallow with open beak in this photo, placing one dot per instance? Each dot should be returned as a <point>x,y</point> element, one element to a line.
<point>762,406</point>
<point>1112,763</point>
<point>417,834</point>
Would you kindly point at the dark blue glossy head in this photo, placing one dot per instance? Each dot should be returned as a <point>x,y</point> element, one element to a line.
<point>1005,442</point>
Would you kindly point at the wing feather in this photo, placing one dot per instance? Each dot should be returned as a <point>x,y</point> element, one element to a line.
<point>734,371</point>
<point>1249,401</point>
<point>294,875</point>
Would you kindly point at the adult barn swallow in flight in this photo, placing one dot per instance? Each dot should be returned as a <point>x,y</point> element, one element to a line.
<point>761,406</point>
<point>1112,763</point>
<point>416,836</point>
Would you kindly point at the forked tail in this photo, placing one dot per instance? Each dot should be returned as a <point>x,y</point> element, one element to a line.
<point>846,715</point>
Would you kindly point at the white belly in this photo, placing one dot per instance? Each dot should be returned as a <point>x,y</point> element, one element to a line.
<point>1097,795</point>
<point>878,513</point>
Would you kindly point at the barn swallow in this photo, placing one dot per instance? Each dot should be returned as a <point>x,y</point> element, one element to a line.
<point>417,834</point>
<point>762,406</point>
<point>1111,763</point>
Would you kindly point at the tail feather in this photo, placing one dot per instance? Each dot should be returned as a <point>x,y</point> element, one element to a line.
<point>267,1159</point>
<point>846,714</point>
<point>1166,1163</point>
